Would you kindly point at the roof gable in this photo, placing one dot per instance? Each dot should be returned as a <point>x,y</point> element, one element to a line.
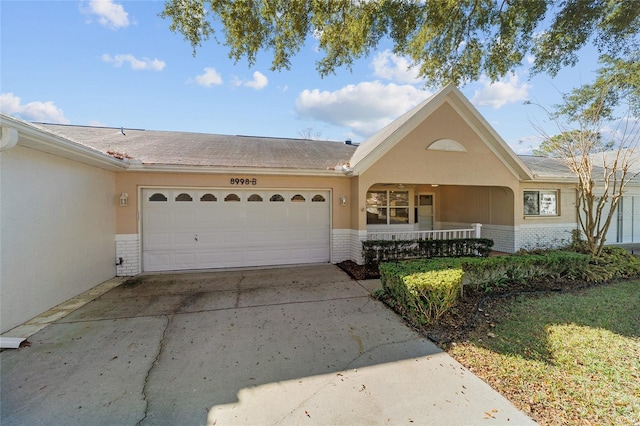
<point>376,146</point>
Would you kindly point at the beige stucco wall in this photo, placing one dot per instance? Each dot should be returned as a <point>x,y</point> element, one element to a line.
<point>567,203</point>
<point>409,162</point>
<point>131,182</point>
<point>57,226</point>
<point>475,204</point>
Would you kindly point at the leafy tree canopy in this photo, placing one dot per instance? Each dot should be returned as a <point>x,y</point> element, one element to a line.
<point>617,82</point>
<point>563,144</point>
<point>450,41</point>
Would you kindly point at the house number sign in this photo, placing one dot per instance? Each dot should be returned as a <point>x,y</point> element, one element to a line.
<point>243,181</point>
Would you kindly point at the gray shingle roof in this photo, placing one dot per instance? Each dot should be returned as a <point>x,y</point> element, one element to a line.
<point>199,149</point>
<point>547,167</point>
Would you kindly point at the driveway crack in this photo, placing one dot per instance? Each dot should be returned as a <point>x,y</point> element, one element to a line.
<point>156,359</point>
<point>238,291</point>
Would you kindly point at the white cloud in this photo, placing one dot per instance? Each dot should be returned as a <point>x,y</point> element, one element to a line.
<point>365,107</point>
<point>260,81</point>
<point>136,64</point>
<point>33,111</point>
<point>501,92</point>
<point>209,78</point>
<point>111,15</point>
<point>392,67</point>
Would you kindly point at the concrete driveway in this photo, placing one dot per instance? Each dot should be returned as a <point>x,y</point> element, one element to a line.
<point>298,345</point>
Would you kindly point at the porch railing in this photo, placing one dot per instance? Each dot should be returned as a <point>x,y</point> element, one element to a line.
<point>439,234</point>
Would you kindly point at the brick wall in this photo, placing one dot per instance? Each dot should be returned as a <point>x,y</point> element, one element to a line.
<point>544,235</point>
<point>340,245</point>
<point>128,248</point>
<point>346,244</point>
<point>503,237</point>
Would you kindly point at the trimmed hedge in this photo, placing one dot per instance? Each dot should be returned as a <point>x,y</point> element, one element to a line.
<point>424,296</point>
<point>378,251</point>
<point>427,288</point>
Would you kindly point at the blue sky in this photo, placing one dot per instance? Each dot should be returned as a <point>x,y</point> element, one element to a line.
<point>115,63</point>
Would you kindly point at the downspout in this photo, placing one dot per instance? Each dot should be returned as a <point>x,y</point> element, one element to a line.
<point>8,138</point>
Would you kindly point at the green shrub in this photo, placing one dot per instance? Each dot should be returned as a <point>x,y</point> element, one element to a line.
<point>426,288</point>
<point>496,273</point>
<point>615,262</point>
<point>434,292</point>
<point>423,295</point>
<point>378,251</point>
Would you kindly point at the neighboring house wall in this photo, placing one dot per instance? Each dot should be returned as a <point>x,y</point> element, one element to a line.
<point>57,231</point>
<point>625,223</point>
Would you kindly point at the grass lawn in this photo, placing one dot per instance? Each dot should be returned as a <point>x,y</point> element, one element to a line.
<point>569,358</point>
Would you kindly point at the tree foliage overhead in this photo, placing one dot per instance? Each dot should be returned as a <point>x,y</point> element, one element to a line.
<point>450,41</point>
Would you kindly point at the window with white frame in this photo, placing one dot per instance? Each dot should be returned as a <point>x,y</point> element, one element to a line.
<point>540,203</point>
<point>387,207</point>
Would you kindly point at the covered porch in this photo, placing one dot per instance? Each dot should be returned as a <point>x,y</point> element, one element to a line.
<point>404,211</point>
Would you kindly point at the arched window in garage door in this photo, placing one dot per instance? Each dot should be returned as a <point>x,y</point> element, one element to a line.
<point>184,197</point>
<point>158,197</point>
<point>208,197</point>
<point>232,197</point>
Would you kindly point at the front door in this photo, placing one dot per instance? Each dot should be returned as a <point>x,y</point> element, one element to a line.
<point>424,206</point>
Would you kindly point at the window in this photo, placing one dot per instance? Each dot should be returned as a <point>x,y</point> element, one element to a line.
<point>298,198</point>
<point>387,207</point>
<point>184,197</point>
<point>317,199</point>
<point>540,203</point>
<point>254,197</point>
<point>232,197</point>
<point>158,197</point>
<point>208,197</point>
<point>276,198</point>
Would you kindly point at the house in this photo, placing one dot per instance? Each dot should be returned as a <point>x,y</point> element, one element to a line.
<point>80,204</point>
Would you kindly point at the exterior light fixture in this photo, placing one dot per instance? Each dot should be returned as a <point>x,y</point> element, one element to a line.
<point>343,200</point>
<point>124,199</point>
<point>435,185</point>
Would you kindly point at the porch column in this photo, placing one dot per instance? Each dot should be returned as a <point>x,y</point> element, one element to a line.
<point>478,229</point>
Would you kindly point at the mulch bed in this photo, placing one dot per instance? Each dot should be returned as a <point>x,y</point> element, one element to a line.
<point>359,272</point>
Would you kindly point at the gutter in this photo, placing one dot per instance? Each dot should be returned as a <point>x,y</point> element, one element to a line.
<point>137,166</point>
<point>11,342</point>
<point>17,132</point>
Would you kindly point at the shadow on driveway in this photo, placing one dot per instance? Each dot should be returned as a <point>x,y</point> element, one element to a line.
<point>269,346</point>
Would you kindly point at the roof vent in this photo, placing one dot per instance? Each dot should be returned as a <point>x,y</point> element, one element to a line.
<point>347,142</point>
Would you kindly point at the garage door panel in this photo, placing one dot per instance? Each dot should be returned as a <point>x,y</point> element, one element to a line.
<point>185,260</point>
<point>157,239</point>
<point>157,261</point>
<point>208,233</point>
<point>206,239</point>
<point>184,238</point>
<point>157,218</point>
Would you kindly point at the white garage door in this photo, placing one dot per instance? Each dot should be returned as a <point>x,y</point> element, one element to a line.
<point>199,229</point>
